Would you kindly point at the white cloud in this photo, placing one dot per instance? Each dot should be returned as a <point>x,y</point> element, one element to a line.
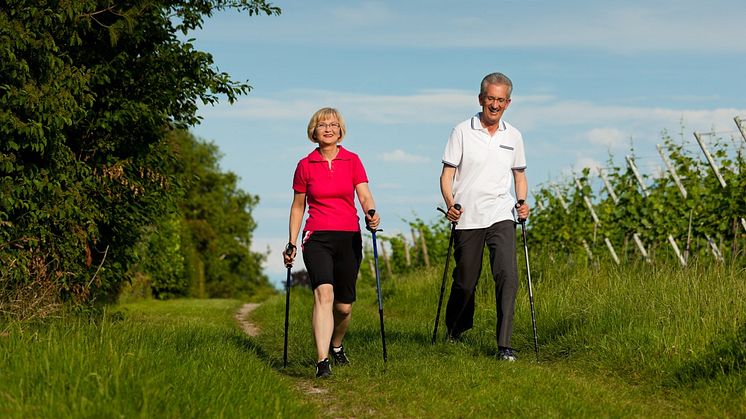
<point>381,109</point>
<point>610,137</point>
<point>401,156</point>
<point>589,162</point>
<point>693,26</point>
<point>621,118</point>
<point>609,123</point>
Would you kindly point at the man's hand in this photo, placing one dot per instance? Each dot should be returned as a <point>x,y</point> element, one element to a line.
<point>522,209</point>
<point>454,213</point>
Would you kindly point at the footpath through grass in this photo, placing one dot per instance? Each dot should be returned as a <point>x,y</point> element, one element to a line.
<point>637,341</point>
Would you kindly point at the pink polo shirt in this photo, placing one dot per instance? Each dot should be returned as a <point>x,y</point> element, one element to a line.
<point>330,192</point>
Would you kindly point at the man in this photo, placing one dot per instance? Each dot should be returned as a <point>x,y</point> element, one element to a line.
<point>481,157</point>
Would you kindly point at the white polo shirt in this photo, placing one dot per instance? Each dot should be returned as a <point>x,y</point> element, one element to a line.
<point>484,171</point>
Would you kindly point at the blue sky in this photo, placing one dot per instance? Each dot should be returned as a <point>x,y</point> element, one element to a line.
<point>590,79</point>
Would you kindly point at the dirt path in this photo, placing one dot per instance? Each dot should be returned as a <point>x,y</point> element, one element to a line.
<point>306,387</point>
<point>242,318</point>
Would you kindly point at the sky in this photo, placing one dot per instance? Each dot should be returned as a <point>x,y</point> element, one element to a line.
<point>592,79</point>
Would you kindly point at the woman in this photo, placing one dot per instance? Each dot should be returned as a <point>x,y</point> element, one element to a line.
<point>328,179</point>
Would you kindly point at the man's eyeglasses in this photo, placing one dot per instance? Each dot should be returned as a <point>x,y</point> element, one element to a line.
<point>499,100</point>
<point>333,125</point>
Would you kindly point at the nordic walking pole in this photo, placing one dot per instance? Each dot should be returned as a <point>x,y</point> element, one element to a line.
<point>445,271</point>
<point>378,285</point>
<point>288,251</point>
<point>522,222</point>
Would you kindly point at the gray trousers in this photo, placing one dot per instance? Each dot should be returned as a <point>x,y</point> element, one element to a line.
<point>468,248</point>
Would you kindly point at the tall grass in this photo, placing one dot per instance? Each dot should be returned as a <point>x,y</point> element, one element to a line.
<point>630,341</point>
<point>179,359</point>
<point>636,340</point>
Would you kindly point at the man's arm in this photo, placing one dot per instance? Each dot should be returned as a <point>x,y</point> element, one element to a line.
<point>446,189</point>
<point>521,191</point>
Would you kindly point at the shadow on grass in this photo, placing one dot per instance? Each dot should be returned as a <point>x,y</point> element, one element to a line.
<point>297,368</point>
<point>555,337</point>
<point>721,359</point>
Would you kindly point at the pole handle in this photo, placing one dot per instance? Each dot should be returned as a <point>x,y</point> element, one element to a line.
<point>520,220</point>
<point>371,212</point>
<point>457,206</point>
<point>289,251</point>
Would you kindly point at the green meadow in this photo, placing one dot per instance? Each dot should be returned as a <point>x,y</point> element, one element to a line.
<point>633,341</point>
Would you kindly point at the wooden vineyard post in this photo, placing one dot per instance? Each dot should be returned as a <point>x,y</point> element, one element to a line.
<point>672,171</point>
<point>609,188</point>
<point>741,127</point>
<point>676,250</point>
<point>562,200</point>
<point>714,248</point>
<point>587,202</point>
<point>641,247</point>
<point>714,166</point>
<point>596,223</point>
<point>709,158</point>
<point>424,249</point>
<point>386,259</point>
<point>611,250</point>
<point>632,166</point>
<point>539,204</point>
<point>587,249</point>
<point>406,251</point>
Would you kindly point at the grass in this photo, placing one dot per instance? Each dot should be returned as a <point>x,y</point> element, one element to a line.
<point>633,341</point>
<point>176,359</point>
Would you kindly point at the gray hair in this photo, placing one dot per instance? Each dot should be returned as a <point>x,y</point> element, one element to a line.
<point>495,78</point>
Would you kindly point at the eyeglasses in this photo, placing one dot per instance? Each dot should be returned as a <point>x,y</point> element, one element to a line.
<point>333,126</point>
<point>499,100</point>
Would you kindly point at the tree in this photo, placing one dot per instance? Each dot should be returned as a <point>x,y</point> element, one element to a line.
<point>217,224</point>
<point>88,92</point>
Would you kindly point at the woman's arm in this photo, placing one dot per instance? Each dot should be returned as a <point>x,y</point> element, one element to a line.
<point>297,209</point>
<point>367,203</point>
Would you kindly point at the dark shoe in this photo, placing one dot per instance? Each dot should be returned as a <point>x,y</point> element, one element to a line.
<point>506,354</point>
<point>453,337</point>
<point>323,369</point>
<point>340,358</point>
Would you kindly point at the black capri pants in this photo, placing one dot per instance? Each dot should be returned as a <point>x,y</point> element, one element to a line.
<point>333,257</point>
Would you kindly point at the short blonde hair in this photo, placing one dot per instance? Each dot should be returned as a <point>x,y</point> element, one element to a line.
<point>323,114</point>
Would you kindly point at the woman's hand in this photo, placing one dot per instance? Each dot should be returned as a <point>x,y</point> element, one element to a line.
<point>288,256</point>
<point>372,221</point>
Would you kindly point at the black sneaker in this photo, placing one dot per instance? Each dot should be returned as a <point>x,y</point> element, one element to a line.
<point>340,358</point>
<point>506,354</point>
<point>453,337</point>
<point>323,369</point>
